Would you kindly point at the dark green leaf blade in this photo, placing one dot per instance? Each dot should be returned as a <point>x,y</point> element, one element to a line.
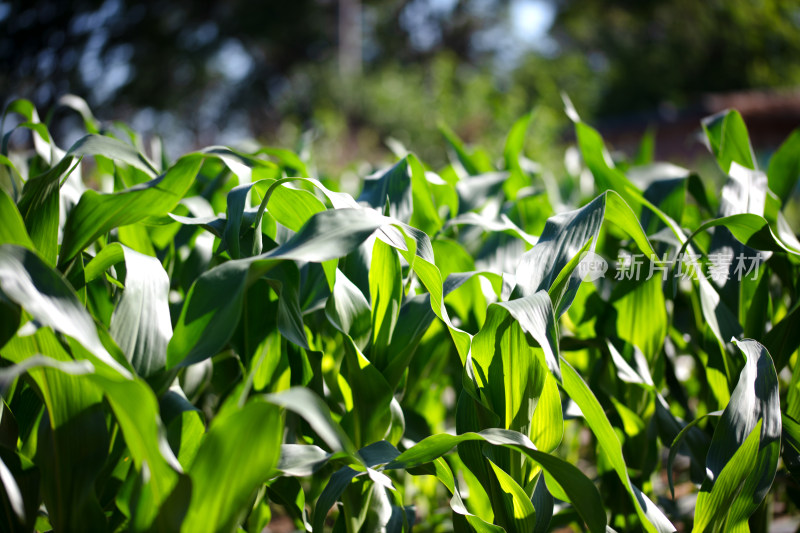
<point>141,324</point>
<point>235,458</point>
<point>784,167</point>
<point>98,213</point>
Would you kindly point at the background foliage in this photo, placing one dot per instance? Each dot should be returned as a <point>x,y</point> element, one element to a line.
<point>200,73</point>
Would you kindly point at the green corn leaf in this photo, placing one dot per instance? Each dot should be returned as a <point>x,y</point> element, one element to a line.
<point>744,192</point>
<point>754,404</point>
<point>26,363</point>
<point>728,140</point>
<point>311,245</point>
<point>645,153</point>
<point>12,227</point>
<point>292,207</point>
<point>689,430</point>
<point>78,104</point>
<point>511,374</point>
<point>747,228</point>
<point>207,320</point>
<point>754,304</point>
<point>784,167</point>
<point>40,207</point>
<point>779,227</point>
<point>12,492</point>
<point>333,491</point>
<point>235,458</point>
<point>288,493</point>
<point>652,518</point>
<point>424,214</point>
<point>40,200</point>
<point>453,260</point>
<point>784,338</point>
<point>476,191</point>
<point>547,424</point>
<point>543,503</point>
<point>98,213</point>
<point>392,188</point>
<point>316,351</point>
<point>288,159</point>
<point>517,504</point>
<point>440,469</point>
<point>113,149</point>
<point>578,487</point>
<point>664,185</point>
<point>418,252</point>
<point>641,314</point>
<point>413,322</point>
<point>308,405</point>
<point>135,408</point>
<point>713,505</point>
<point>70,400</point>
<point>503,224</point>
<point>140,324</point>
<point>349,311</point>
<point>11,181</point>
<point>791,445</point>
<point>237,201</point>
<point>371,415</point>
<point>301,459</point>
<point>73,434</point>
<point>284,278</point>
<point>107,257</point>
<point>383,515</point>
<point>42,142</point>
<point>536,317</point>
<point>513,153</point>
<point>515,141</point>
<point>471,163</point>
<point>43,292</point>
<point>551,264</point>
<point>385,289</point>
<point>598,160</point>
<point>137,238</point>
<point>184,424</point>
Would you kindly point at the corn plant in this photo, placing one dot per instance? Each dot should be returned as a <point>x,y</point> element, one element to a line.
<point>218,341</point>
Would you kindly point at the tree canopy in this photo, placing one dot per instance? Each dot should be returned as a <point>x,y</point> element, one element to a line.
<point>226,69</point>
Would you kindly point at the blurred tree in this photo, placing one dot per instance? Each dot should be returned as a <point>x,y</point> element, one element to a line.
<point>181,55</point>
<point>202,72</point>
<point>171,55</point>
<point>196,70</point>
<point>237,65</point>
<point>648,52</point>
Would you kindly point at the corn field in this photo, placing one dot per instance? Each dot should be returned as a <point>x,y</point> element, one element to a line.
<point>229,342</point>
